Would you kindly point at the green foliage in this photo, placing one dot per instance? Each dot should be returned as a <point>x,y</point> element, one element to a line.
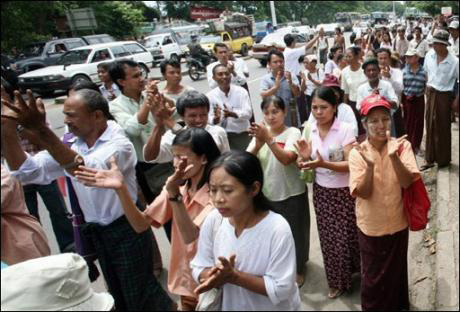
<point>433,7</point>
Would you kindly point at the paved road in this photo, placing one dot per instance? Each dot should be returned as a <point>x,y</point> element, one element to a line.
<point>313,293</point>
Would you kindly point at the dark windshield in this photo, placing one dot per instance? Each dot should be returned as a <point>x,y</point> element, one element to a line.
<point>34,49</point>
<point>74,57</point>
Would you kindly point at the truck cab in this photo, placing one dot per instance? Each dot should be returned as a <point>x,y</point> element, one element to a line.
<point>238,41</point>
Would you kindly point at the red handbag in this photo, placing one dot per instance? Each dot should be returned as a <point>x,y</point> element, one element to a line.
<point>416,205</point>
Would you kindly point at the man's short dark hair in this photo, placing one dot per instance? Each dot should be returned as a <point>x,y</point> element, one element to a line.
<point>383,50</point>
<point>95,101</point>
<point>274,52</point>
<point>418,27</point>
<point>370,61</point>
<point>170,62</point>
<point>105,66</point>
<point>117,70</point>
<point>219,45</point>
<point>288,39</point>
<point>216,67</point>
<point>338,29</point>
<point>83,84</point>
<point>191,99</point>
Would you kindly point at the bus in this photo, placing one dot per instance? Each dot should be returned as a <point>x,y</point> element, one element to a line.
<point>355,17</point>
<point>344,20</point>
<point>379,18</point>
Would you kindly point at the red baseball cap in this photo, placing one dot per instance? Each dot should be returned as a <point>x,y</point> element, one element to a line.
<point>373,101</point>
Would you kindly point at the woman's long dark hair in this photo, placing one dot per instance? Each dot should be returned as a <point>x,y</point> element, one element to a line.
<point>246,168</point>
<point>201,143</point>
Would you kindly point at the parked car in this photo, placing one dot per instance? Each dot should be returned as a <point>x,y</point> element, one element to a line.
<point>81,64</point>
<point>168,44</point>
<point>273,41</point>
<point>41,54</point>
<point>95,39</point>
<point>156,52</point>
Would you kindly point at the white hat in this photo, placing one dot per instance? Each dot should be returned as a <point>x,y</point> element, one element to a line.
<point>312,57</point>
<point>454,24</point>
<point>57,282</point>
<point>412,52</point>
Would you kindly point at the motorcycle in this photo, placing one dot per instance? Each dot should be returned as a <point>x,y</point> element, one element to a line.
<point>196,67</point>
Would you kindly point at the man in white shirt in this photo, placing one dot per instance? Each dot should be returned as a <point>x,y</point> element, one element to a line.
<point>401,45</point>
<point>237,69</point>
<point>419,44</point>
<point>453,30</point>
<point>230,108</point>
<point>376,85</point>
<point>119,248</point>
<point>442,71</point>
<point>292,54</point>
<point>194,108</point>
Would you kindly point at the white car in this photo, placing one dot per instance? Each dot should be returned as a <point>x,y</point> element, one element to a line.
<point>361,28</point>
<point>168,44</point>
<point>81,64</point>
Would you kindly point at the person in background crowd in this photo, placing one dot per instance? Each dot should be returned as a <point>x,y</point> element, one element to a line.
<point>108,88</point>
<point>323,47</point>
<point>242,64</point>
<point>252,272</point>
<point>326,151</point>
<point>442,70</point>
<point>341,64</point>
<point>125,256</point>
<point>171,71</point>
<point>352,77</point>
<point>197,52</point>
<point>57,283</point>
<point>292,54</point>
<point>413,99</point>
<point>280,83</point>
<point>332,63</point>
<point>187,205</point>
<point>401,44</point>
<point>379,168</point>
<point>395,60</point>
<point>419,44</point>
<point>395,77</point>
<point>339,40</point>
<point>453,30</point>
<point>193,107</point>
<point>311,78</point>
<point>232,109</point>
<point>23,237</point>
<point>386,41</point>
<point>273,144</point>
<point>237,69</point>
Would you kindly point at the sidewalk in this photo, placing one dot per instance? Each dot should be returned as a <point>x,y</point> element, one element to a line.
<point>447,238</point>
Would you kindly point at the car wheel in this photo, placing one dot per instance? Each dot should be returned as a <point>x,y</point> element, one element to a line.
<point>194,73</point>
<point>244,50</point>
<point>144,70</point>
<point>79,78</point>
<point>263,63</point>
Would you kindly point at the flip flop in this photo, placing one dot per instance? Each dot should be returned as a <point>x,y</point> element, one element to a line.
<point>335,294</point>
<point>426,167</point>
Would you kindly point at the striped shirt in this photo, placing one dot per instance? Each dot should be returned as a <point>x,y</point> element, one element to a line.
<point>414,84</point>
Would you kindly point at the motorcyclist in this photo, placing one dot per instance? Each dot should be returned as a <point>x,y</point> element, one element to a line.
<point>197,52</point>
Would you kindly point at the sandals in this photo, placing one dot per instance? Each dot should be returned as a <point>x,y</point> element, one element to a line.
<point>333,294</point>
<point>426,167</point>
<point>300,280</point>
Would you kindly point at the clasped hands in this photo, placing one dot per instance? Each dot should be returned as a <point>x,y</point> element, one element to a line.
<point>161,107</point>
<point>224,272</point>
<point>304,150</point>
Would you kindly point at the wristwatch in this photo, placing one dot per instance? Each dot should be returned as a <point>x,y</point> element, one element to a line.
<point>271,142</point>
<point>177,199</point>
<point>77,161</point>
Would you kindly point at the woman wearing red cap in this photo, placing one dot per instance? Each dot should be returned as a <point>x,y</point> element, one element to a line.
<point>379,168</point>
<point>325,150</point>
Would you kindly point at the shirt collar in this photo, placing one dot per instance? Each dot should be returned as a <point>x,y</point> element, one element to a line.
<point>201,197</point>
<point>335,125</point>
<point>105,136</point>
<point>128,99</point>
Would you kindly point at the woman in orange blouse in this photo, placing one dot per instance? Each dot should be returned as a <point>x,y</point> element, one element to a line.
<point>379,168</point>
<point>185,200</point>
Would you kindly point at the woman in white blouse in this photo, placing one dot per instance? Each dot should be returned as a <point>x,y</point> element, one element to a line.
<point>243,247</point>
<point>386,41</point>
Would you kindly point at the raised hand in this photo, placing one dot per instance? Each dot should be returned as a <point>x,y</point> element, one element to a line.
<point>279,76</point>
<point>303,149</point>
<point>228,113</point>
<point>394,145</point>
<point>288,76</point>
<point>223,273</point>
<point>217,114</point>
<point>365,154</point>
<point>260,132</point>
<point>30,115</point>
<point>313,164</point>
<point>112,179</point>
<point>174,182</point>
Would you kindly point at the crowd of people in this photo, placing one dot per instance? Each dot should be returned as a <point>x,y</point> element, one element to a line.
<point>231,193</point>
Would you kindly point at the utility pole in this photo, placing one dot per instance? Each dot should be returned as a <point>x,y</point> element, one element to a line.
<point>272,9</point>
